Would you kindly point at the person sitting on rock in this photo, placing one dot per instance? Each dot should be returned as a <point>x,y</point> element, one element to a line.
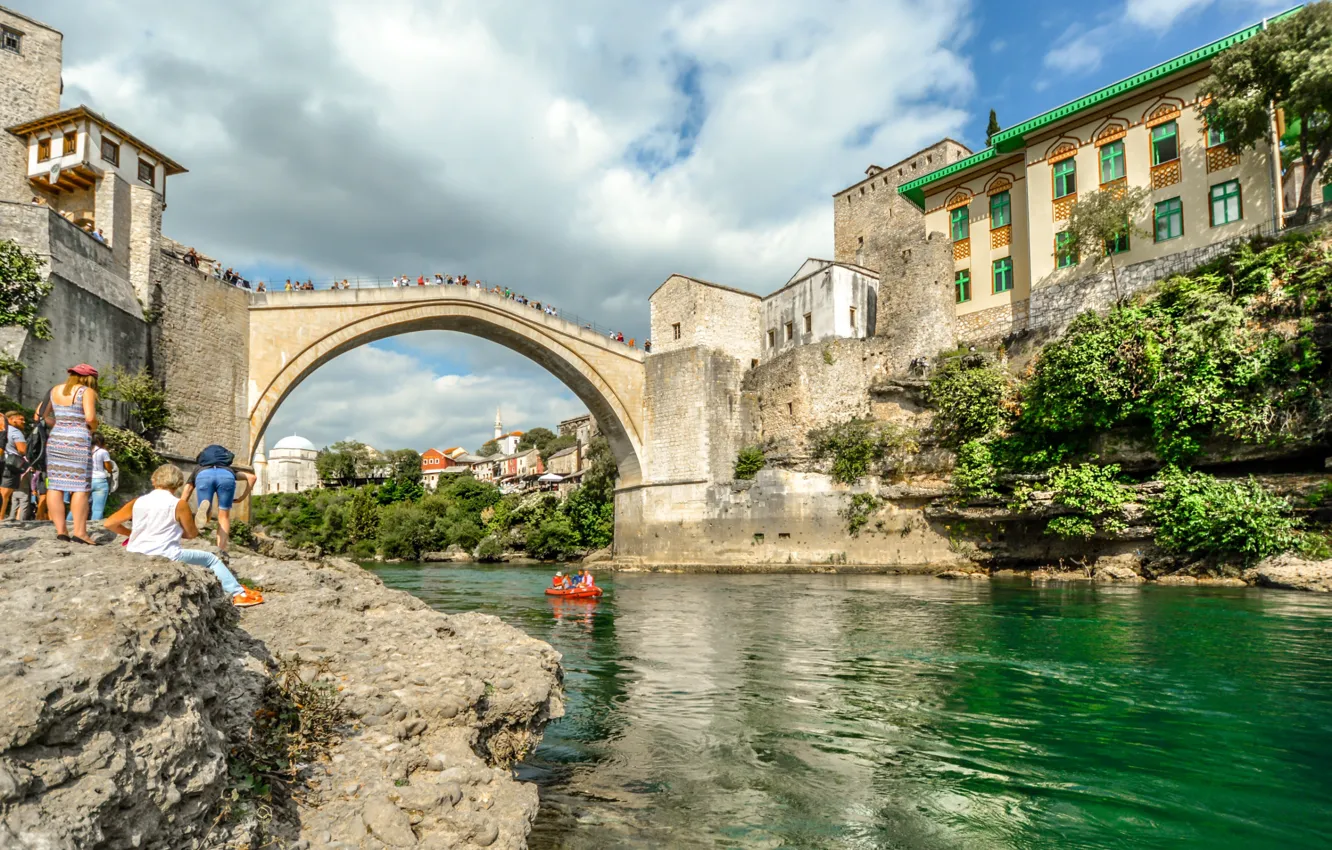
<point>161,520</point>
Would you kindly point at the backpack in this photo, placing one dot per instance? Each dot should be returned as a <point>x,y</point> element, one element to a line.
<point>213,456</point>
<point>35,457</point>
<point>113,481</point>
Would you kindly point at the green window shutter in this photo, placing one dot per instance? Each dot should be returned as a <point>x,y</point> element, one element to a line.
<point>1001,211</point>
<point>1169,220</point>
<point>961,225</point>
<point>1003,275</point>
<point>1065,256</point>
<point>1226,203</point>
<point>962,283</point>
<point>1165,142</point>
<point>1065,177</point>
<point>1119,244</point>
<point>1215,137</point>
<point>1327,192</point>
<point>1112,162</point>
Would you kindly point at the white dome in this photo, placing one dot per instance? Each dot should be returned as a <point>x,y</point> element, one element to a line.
<point>295,442</point>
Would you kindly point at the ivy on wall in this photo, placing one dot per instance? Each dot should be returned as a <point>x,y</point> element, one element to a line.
<point>22,290</point>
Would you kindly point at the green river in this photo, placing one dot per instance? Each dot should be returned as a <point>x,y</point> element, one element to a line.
<point>817,711</point>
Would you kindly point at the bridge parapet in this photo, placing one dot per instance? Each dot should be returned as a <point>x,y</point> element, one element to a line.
<point>585,331</point>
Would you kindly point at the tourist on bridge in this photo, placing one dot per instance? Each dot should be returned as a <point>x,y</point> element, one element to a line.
<point>72,416</point>
<point>647,346</point>
<point>215,480</point>
<point>161,520</point>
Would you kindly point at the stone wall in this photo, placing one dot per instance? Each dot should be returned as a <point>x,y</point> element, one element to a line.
<point>202,357</point>
<point>30,81</point>
<point>992,325</point>
<point>778,521</point>
<point>871,210</point>
<point>692,414</point>
<point>145,234</point>
<point>93,314</point>
<point>708,315</point>
<point>916,297</point>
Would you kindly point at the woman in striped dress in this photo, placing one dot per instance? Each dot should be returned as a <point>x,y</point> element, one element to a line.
<point>73,418</point>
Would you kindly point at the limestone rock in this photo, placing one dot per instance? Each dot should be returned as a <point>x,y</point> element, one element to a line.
<point>388,823</point>
<point>961,574</point>
<point>1125,568</point>
<point>1291,572</point>
<point>598,556</point>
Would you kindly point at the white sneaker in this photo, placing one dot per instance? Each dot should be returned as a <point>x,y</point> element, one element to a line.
<point>201,514</point>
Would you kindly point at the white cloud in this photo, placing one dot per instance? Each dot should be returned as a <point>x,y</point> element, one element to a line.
<point>1160,14</point>
<point>1078,54</point>
<point>579,152</point>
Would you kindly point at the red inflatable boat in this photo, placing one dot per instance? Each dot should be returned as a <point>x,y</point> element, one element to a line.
<point>574,592</point>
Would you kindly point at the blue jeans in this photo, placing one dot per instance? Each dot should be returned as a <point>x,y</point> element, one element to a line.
<point>101,488</point>
<point>217,486</point>
<point>200,558</point>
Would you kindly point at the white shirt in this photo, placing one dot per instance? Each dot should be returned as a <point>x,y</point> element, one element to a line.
<point>15,437</point>
<point>156,530</point>
<point>100,458</point>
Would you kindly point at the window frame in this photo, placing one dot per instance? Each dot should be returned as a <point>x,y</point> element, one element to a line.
<point>1173,125</point>
<point>151,180</point>
<point>1113,249</point>
<point>963,220</point>
<point>43,147</point>
<point>1238,195</point>
<point>809,323</point>
<point>962,286</point>
<point>772,337</point>
<point>789,329</point>
<point>1067,169</point>
<point>1004,264</point>
<point>1157,217</point>
<point>1064,257</point>
<point>675,329</point>
<point>1220,137</point>
<point>1120,159</point>
<point>1006,207</point>
<point>8,33</point>
<point>853,320</point>
<point>114,147</point>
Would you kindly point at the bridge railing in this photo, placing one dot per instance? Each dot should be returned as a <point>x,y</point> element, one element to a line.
<point>387,283</point>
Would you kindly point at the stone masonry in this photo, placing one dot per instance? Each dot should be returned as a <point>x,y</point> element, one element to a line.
<point>871,211</point>
<point>30,82</point>
<point>706,314</point>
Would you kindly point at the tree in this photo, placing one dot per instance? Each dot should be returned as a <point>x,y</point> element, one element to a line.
<point>146,398</point>
<point>563,441</point>
<point>537,438</point>
<point>992,128</point>
<point>345,460</point>
<point>362,517</point>
<point>1101,219</point>
<point>22,289</point>
<point>1287,65</point>
<point>488,449</point>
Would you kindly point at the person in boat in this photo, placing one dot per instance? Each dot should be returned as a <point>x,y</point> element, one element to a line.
<point>587,579</point>
<point>558,580</point>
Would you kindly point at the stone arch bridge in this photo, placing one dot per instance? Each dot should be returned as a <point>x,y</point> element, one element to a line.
<point>294,333</point>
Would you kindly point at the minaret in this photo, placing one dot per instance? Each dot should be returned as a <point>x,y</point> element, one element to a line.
<point>499,427</point>
<point>260,463</point>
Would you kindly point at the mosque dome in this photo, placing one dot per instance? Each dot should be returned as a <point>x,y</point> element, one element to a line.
<point>295,443</point>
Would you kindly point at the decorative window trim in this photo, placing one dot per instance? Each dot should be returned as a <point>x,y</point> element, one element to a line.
<point>1113,133</point>
<point>1065,151</point>
<point>1163,112</point>
<point>962,286</point>
<point>1000,183</point>
<point>958,199</point>
<point>1211,202</point>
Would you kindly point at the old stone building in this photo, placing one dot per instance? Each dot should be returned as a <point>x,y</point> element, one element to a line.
<point>87,197</point>
<point>291,466</point>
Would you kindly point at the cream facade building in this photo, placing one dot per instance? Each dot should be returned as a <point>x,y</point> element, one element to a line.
<point>1005,209</point>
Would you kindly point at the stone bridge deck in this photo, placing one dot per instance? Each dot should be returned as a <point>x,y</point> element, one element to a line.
<point>294,333</point>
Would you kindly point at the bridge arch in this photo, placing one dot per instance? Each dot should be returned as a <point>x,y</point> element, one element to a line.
<point>294,333</point>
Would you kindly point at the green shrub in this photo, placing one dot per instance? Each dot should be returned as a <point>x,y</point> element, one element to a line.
<point>131,452</point>
<point>554,539</point>
<point>405,531</point>
<point>854,447</point>
<point>1096,495</point>
<point>1203,516</point>
<point>966,401</point>
<point>489,549</point>
<point>592,518</point>
<point>146,398</point>
<point>242,534</point>
<point>858,511</point>
<point>750,460</point>
<point>974,472</point>
<point>465,534</point>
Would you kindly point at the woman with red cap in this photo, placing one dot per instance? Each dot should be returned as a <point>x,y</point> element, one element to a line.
<point>72,416</point>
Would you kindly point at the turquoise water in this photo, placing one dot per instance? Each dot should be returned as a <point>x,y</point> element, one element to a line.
<point>910,712</point>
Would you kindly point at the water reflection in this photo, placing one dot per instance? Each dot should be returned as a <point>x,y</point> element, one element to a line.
<point>879,711</point>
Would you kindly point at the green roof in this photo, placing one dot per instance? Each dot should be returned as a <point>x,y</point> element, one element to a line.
<point>1014,138</point>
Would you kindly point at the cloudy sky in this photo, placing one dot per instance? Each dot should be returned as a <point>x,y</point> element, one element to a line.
<point>580,151</point>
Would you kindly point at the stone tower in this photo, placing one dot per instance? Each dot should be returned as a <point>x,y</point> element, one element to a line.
<point>499,425</point>
<point>30,55</point>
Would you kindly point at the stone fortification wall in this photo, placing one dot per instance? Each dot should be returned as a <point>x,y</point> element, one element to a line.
<point>93,313</point>
<point>202,356</point>
<point>708,315</point>
<point>692,407</point>
<point>871,211</point>
<point>916,298</point>
<point>820,385</point>
<point>29,88</point>
<point>780,520</point>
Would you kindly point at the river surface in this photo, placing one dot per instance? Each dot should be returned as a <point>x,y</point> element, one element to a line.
<point>910,712</point>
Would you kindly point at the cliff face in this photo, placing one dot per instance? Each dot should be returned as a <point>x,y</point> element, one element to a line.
<point>126,682</point>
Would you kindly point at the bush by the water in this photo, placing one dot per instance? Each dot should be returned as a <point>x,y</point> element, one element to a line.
<point>398,519</point>
<point>1204,516</point>
<point>858,447</point>
<point>966,396</point>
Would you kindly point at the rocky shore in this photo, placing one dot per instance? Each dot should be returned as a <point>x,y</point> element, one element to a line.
<point>129,684</point>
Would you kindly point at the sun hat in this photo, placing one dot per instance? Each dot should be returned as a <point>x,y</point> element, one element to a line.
<point>83,369</point>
